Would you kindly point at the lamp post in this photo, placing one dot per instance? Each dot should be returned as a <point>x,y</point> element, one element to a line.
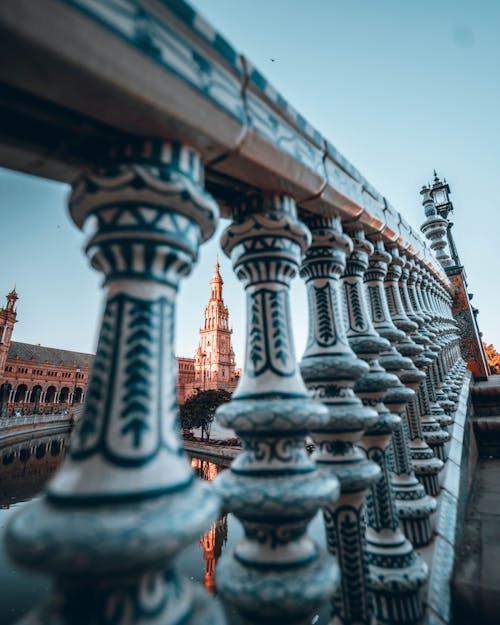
<point>440,193</point>
<point>204,371</point>
<point>77,372</point>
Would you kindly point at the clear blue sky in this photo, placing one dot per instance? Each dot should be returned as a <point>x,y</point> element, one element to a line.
<point>399,87</point>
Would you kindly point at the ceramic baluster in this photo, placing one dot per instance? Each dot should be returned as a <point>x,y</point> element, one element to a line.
<point>432,385</point>
<point>414,506</point>
<point>330,368</point>
<point>125,501</point>
<point>276,574</point>
<point>396,572</point>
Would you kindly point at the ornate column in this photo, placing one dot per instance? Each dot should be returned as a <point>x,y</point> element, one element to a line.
<point>431,429</point>
<point>413,505</point>
<point>396,573</point>
<point>276,574</point>
<point>330,368</point>
<point>431,381</point>
<point>125,500</point>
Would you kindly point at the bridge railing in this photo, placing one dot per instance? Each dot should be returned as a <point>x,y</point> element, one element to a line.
<point>12,422</point>
<point>376,388</point>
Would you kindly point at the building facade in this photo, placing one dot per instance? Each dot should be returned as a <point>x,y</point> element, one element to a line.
<point>38,379</point>
<point>44,380</point>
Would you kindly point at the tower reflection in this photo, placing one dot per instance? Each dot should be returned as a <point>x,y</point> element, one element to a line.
<point>215,538</point>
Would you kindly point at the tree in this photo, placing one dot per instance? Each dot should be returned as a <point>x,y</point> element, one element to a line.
<point>493,357</point>
<point>198,410</point>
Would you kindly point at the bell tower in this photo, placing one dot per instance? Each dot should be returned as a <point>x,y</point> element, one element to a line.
<point>8,317</point>
<point>214,358</point>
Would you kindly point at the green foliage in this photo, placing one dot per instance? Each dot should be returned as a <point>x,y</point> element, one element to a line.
<point>199,410</point>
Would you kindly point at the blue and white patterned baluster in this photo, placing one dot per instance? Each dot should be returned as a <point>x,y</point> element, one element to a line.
<point>414,506</point>
<point>396,573</point>
<point>435,437</point>
<point>125,501</point>
<point>276,574</point>
<point>432,380</point>
<point>330,368</point>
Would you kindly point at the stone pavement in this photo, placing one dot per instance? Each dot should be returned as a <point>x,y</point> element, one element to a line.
<point>476,579</point>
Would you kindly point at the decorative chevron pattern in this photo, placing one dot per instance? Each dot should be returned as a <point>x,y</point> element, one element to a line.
<point>87,433</point>
<point>270,348</point>
<point>256,333</point>
<point>375,301</point>
<point>325,329</point>
<point>280,344</point>
<point>381,508</point>
<point>357,319</point>
<point>139,357</point>
<point>355,564</point>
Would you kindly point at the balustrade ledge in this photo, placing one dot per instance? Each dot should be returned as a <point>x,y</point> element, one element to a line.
<point>449,518</point>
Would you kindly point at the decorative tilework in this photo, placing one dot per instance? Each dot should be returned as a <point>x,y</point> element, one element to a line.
<point>439,588</point>
<point>452,478</point>
<point>431,618</point>
<point>447,516</point>
<point>455,451</point>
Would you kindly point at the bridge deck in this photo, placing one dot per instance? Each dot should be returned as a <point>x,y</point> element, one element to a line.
<point>476,582</point>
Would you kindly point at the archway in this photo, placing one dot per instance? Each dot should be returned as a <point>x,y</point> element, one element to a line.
<point>78,395</point>
<point>20,395</point>
<point>5,390</point>
<point>63,395</point>
<point>55,448</point>
<point>50,395</point>
<point>35,396</point>
<point>40,451</point>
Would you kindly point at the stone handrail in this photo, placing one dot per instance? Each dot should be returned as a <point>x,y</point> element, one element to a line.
<point>12,422</point>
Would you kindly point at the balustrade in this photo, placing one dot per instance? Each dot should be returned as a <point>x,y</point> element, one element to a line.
<point>330,368</point>
<point>413,505</point>
<point>397,574</point>
<point>377,386</point>
<point>276,574</point>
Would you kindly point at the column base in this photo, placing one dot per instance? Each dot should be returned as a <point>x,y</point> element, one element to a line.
<point>187,604</point>
<point>426,467</point>
<point>414,508</point>
<point>276,595</point>
<point>397,575</point>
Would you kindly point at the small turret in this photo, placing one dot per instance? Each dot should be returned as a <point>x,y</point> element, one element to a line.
<point>8,317</point>
<point>12,298</point>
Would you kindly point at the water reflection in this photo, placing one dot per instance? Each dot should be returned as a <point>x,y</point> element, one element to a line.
<point>26,464</point>
<point>215,538</point>
<point>27,461</point>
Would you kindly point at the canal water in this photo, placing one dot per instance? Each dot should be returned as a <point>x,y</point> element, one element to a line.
<point>27,462</point>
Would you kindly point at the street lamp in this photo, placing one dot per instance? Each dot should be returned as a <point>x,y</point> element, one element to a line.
<point>204,371</point>
<point>440,193</point>
<point>74,389</point>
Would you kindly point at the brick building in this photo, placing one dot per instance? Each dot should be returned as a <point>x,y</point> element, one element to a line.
<point>34,378</point>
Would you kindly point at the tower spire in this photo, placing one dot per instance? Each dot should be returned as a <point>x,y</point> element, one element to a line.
<point>214,358</point>
<point>216,282</point>
<point>8,317</point>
